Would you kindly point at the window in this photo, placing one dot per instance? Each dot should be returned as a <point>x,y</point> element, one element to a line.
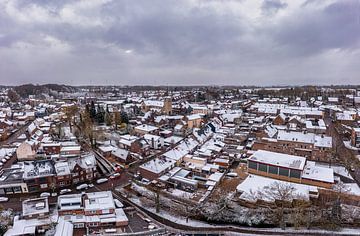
<point>43,185</point>
<point>17,189</point>
<point>273,170</point>
<point>43,180</point>
<point>31,181</point>
<point>8,190</point>
<point>79,225</point>
<point>252,165</point>
<point>295,174</point>
<point>262,167</point>
<point>283,171</point>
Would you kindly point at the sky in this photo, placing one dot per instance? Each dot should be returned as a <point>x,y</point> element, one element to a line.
<point>180,42</point>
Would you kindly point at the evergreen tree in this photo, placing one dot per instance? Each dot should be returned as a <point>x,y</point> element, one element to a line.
<point>124,117</point>
<point>100,116</point>
<point>92,110</point>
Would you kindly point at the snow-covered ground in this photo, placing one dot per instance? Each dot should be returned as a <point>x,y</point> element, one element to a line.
<point>243,215</point>
<point>194,223</point>
<point>180,193</point>
<point>253,186</point>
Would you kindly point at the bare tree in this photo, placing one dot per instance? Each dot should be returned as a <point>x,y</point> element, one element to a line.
<point>117,119</point>
<point>280,193</point>
<point>70,112</point>
<point>13,95</point>
<point>87,127</point>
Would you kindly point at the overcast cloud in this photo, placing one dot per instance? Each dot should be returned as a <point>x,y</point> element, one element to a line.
<point>175,42</point>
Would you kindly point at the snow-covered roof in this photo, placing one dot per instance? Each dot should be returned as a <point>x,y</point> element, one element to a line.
<point>158,165</point>
<point>278,159</point>
<point>150,137</point>
<point>317,140</point>
<point>35,206</point>
<point>106,148</point>
<point>154,103</point>
<point>182,149</point>
<point>99,201</point>
<point>146,128</point>
<point>319,173</point>
<point>195,116</point>
<point>62,168</point>
<point>120,153</point>
<point>254,184</point>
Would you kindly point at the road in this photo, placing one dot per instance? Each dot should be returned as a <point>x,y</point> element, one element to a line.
<point>13,137</point>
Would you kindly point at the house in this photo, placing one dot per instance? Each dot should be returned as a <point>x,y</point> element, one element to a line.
<point>194,121</point>
<point>39,175</point>
<point>155,141</point>
<point>134,144</point>
<point>145,129</point>
<point>200,109</point>
<point>180,129</point>
<point>280,119</point>
<point>180,178</point>
<point>106,150</point>
<point>153,169</point>
<point>315,126</point>
<point>310,145</point>
<point>6,126</point>
<point>11,181</point>
<point>51,148</point>
<point>355,137</point>
<point>83,168</point>
<point>121,155</point>
<point>164,107</point>
<point>35,208</point>
<point>92,210</point>
<point>345,117</point>
<point>34,220</point>
<point>70,150</point>
<point>27,150</point>
<point>63,174</point>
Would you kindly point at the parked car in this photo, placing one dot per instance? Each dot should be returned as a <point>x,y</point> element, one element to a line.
<point>102,180</point>
<point>66,190</point>
<point>115,175</point>
<point>90,185</point>
<point>118,204</point>
<point>151,226</point>
<point>232,174</point>
<point>4,199</point>
<point>82,186</point>
<point>45,194</point>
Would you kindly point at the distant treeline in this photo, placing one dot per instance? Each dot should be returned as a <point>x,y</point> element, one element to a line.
<point>31,89</point>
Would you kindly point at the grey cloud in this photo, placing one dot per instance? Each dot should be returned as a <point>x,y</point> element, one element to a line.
<point>336,26</point>
<point>177,42</point>
<point>270,7</point>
